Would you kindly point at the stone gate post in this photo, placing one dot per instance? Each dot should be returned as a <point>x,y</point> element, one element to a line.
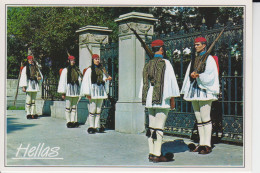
<point>129,116</point>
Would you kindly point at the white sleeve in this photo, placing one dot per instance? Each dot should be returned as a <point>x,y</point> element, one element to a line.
<point>106,83</point>
<point>40,75</point>
<point>186,82</point>
<point>140,95</point>
<point>172,88</point>
<point>23,78</point>
<point>208,76</point>
<point>86,83</point>
<point>62,87</point>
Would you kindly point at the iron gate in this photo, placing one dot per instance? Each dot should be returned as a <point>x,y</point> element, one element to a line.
<point>227,112</point>
<point>109,59</point>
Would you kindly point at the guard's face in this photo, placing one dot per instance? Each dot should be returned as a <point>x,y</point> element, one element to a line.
<point>30,61</point>
<point>72,62</point>
<point>199,47</point>
<point>97,61</point>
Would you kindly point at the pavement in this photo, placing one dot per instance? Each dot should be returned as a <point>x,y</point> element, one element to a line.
<point>48,142</point>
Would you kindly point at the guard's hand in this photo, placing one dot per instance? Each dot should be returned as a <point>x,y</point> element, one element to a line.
<point>109,78</point>
<point>172,102</point>
<point>194,75</point>
<point>89,98</point>
<point>63,96</point>
<point>39,78</point>
<point>24,89</point>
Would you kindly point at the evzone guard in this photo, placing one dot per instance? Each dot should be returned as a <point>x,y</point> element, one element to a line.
<point>158,92</point>
<point>69,87</point>
<point>201,87</point>
<point>29,81</point>
<point>95,86</point>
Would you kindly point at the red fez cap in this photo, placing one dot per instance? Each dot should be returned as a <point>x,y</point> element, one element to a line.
<point>94,56</point>
<point>71,57</point>
<point>157,43</point>
<point>29,57</point>
<point>200,39</point>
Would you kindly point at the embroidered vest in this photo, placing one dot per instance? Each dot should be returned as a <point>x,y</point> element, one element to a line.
<point>153,74</point>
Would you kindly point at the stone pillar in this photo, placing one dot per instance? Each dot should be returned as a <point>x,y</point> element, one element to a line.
<point>129,116</point>
<point>92,36</point>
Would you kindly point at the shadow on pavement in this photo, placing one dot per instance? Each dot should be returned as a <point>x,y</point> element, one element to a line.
<point>12,125</point>
<point>176,146</point>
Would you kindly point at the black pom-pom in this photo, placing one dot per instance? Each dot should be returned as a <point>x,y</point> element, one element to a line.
<point>201,148</point>
<point>69,124</point>
<point>154,136</point>
<point>148,133</point>
<point>169,156</point>
<point>91,130</point>
<point>192,146</point>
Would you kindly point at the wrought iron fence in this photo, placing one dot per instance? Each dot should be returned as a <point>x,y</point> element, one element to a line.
<point>109,59</point>
<point>227,112</point>
<point>49,89</point>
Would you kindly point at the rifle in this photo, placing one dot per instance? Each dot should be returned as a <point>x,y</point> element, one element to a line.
<point>205,56</point>
<point>146,48</point>
<point>18,82</point>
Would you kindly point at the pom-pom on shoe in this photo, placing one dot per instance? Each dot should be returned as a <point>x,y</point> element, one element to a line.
<point>69,125</point>
<point>206,150</point>
<point>75,124</point>
<point>91,130</point>
<point>150,157</point>
<point>29,117</point>
<point>100,130</point>
<point>169,156</point>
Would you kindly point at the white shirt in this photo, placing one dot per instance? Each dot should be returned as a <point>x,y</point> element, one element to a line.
<point>208,80</point>
<point>93,90</point>
<point>28,83</point>
<point>63,86</point>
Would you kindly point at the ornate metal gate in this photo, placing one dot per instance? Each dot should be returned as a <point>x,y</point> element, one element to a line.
<point>227,112</point>
<point>109,58</point>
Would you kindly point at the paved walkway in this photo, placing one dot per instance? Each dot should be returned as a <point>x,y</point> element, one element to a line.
<point>59,146</point>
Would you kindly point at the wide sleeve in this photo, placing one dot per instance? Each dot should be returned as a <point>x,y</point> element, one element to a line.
<point>23,78</point>
<point>186,82</point>
<point>171,87</point>
<point>208,76</point>
<point>140,94</point>
<point>86,83</point>
<point>40,75</point>
<point>62,87</point>
<point>106,83</point>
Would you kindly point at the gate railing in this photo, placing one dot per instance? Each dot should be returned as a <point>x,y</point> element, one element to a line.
<point>109,59</point>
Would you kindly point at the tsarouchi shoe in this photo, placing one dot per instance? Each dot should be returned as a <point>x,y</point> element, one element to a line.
<point>29,117</point>
<point>100,130</point>
<point>69,125</point>
<point>150,157</point>
<point>75,124</point>
<point>205,150</point>
<point>91,130</point>
<point>168,157</point>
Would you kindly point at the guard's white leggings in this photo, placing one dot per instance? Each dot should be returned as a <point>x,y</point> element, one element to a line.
<point>95,106</point>
<point>71,109</point>
<point>157,119</point>
<point>202,113</point>
<point>30,103</point>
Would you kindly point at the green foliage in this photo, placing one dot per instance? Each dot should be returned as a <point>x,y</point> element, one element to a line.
<point>15,108</point>
<point>50,31</point>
